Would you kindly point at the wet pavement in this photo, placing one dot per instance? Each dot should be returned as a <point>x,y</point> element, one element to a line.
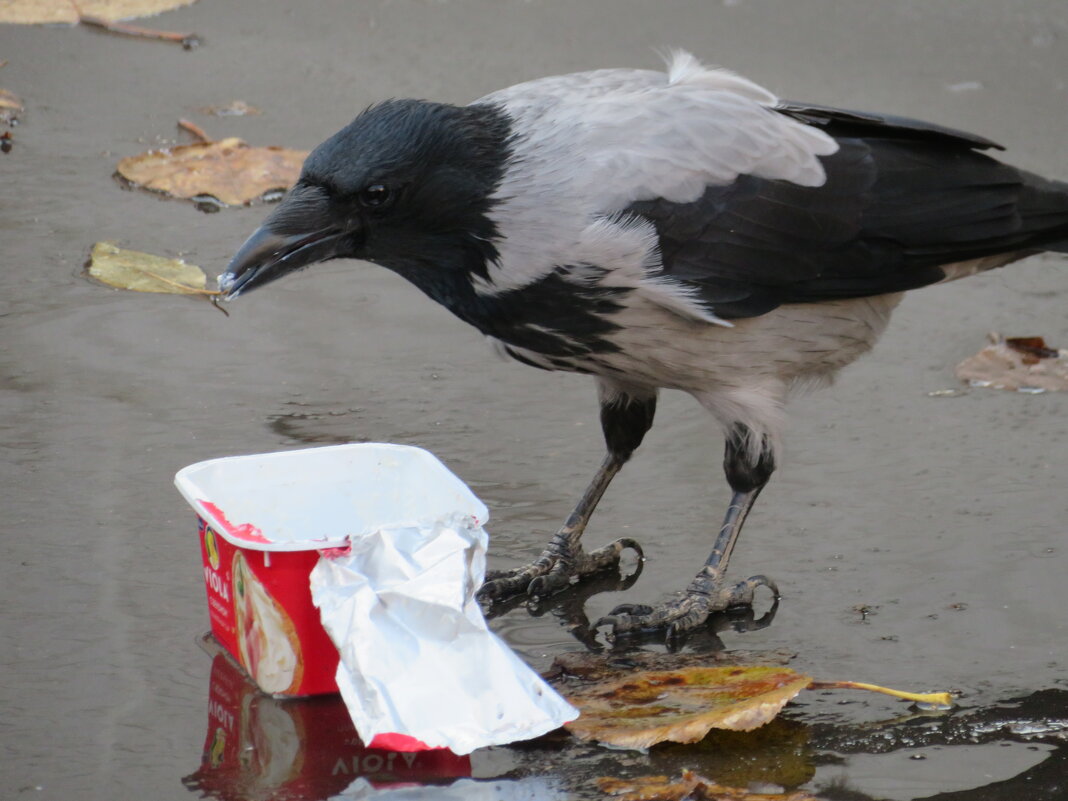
<point>918,537</point>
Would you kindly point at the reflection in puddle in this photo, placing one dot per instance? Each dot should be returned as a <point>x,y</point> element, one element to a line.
<point>258,747</point>
<point>530,789</point>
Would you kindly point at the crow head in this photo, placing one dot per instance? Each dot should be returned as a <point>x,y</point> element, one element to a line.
<point>406,185</point>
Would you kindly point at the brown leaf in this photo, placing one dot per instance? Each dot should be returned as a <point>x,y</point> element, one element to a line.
<point>646,708</point>
<point>143,272</point>
<point>638,699</point>
<point>229,170</point>
<point>1024,364</point>
<point>34,12</point>
<point>691,787</point>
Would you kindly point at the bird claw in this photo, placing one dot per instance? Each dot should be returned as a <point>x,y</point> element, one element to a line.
<point>705,595</point>
<point>557,568</point>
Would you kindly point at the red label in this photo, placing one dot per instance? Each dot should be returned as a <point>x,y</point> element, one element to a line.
<point>260,607</point>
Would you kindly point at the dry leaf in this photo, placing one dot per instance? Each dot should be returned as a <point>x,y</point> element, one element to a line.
<point>690,786</point>
<point>1023,364</point>
<point>229,170</point>
<point>638,700</point>
<point>33,12</point>
<point>643,709</point>
<point>143,272</point>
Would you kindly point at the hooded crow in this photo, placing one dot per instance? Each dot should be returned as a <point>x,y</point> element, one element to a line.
<point>684,230</point>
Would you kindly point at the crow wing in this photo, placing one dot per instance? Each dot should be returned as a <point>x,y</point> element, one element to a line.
<point>901,199</point>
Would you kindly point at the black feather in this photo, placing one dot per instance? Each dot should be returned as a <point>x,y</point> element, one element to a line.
<point>844,122</point>
<point>892,211</point>
<point>555,316</point>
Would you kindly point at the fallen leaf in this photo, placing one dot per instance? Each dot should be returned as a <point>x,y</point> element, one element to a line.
<point>35,12</point>
<point>642,709</point>
<point>143,272</point>
<point>228,170</point>
<point>690,786</point>
<point>1023,364</point>
<point>640,699</point>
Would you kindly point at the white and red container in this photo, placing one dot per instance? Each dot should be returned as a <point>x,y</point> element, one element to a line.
<point>265,518</point>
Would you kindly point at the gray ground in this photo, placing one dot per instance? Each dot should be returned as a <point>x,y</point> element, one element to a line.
<point>943,515</point>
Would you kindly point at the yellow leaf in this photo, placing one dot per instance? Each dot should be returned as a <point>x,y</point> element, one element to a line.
<point>646,708</point>
<point>653,700</point>
<point>143,272</point>
<point>229,170</point>
<point>34,12</point>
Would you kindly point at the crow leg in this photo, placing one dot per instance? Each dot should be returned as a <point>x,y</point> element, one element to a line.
<point>624,420</point>
<point>709,592</point>
<point>563,558</point>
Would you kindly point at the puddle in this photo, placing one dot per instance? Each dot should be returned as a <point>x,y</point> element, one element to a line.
<point>923,772</point>
<point>256,746</point>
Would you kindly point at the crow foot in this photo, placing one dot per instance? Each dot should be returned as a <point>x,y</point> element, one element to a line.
<point>559,566</point>
<point>705,595</point>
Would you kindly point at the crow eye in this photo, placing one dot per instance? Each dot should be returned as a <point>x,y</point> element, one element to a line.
<point>375,195</point>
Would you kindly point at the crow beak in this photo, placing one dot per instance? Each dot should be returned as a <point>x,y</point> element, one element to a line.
<point>267,256</point>
<point>301,231</point>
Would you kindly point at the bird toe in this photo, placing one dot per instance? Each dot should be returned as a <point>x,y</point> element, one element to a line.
<point>678,618</point>
<point>557,569</point>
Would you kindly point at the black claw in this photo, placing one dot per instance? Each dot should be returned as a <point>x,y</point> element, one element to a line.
<point>544,586</point>
<point>493,589</point>
<point>678,619</point>
<point>675,638</point>
<point>555,571</point>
